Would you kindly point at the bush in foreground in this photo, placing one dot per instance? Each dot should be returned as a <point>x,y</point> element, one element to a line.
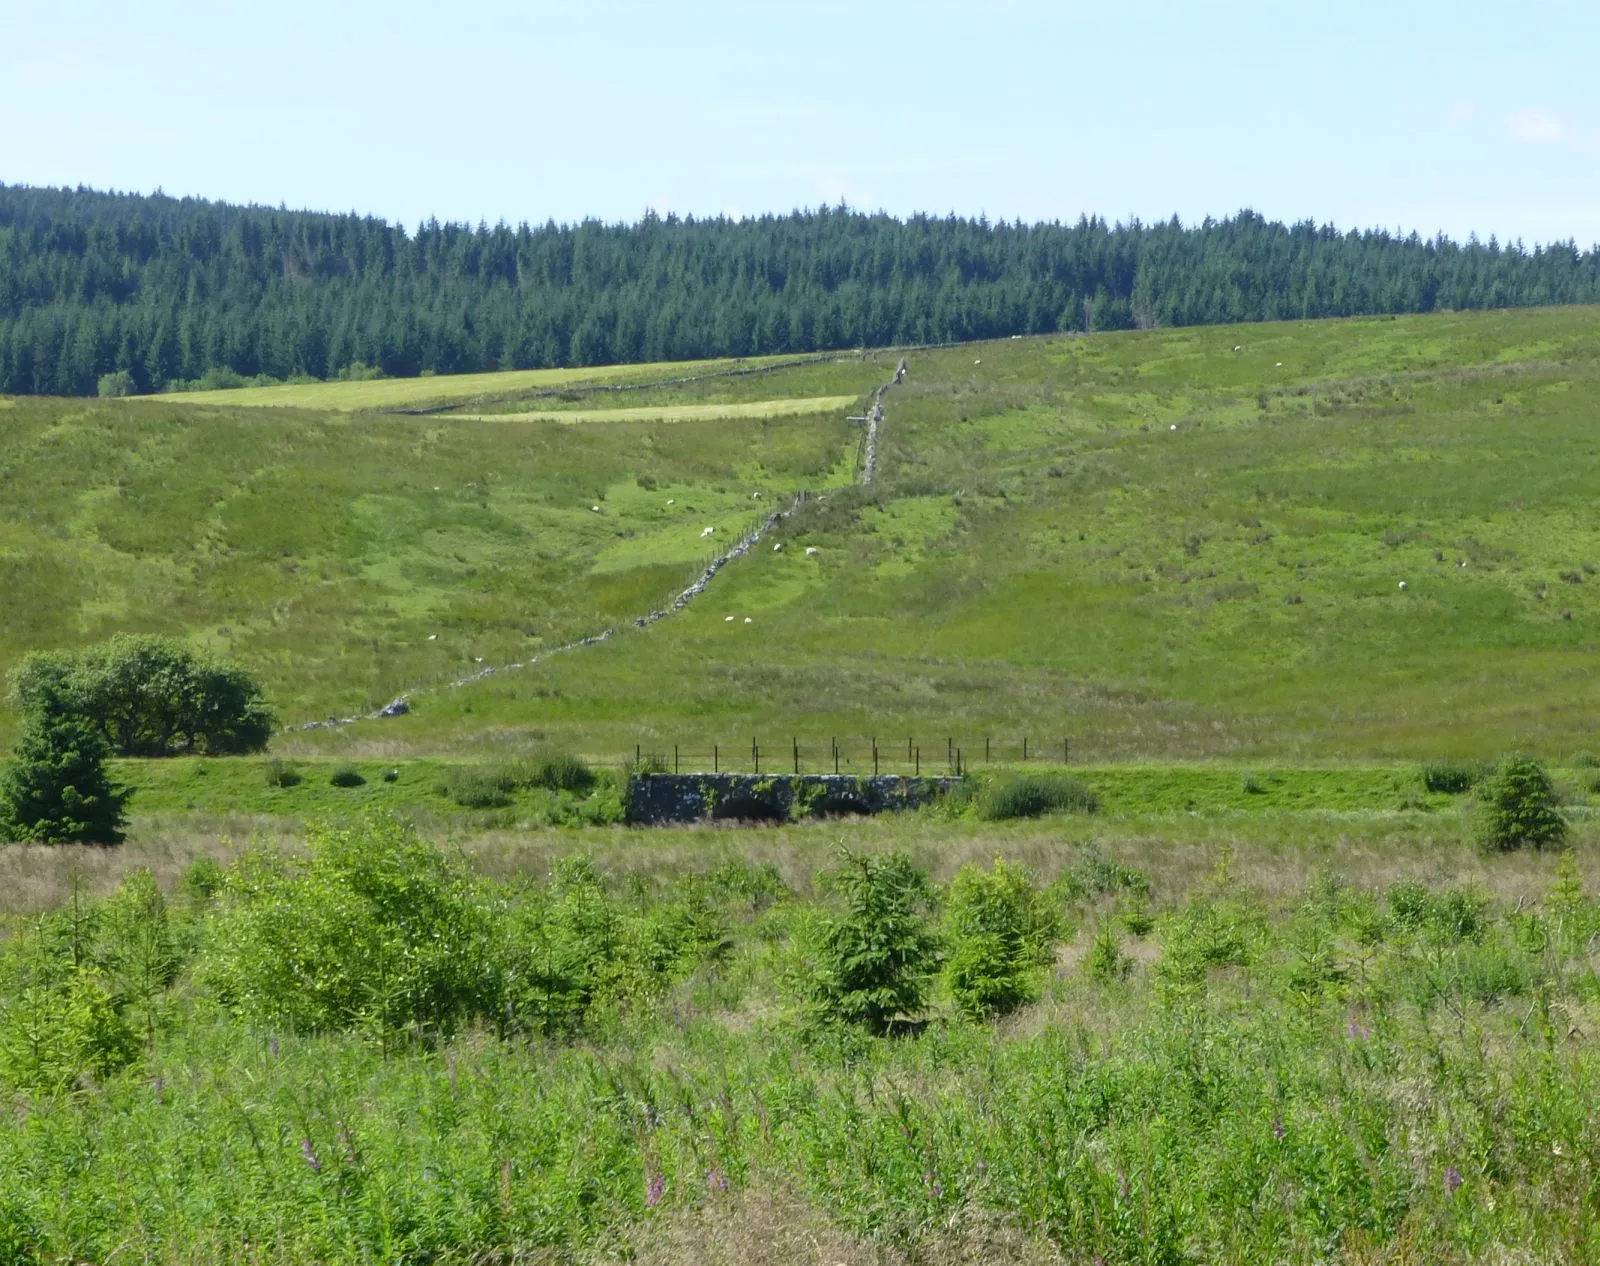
<point>1519,808</point>
<point>1001,928</point>
<point>1031,795</point>
<point>876,957</point>
<point>376,930</point>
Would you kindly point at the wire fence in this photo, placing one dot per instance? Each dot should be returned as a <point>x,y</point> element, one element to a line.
<point>870,755</point>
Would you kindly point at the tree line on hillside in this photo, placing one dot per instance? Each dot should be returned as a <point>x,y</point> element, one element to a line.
<point>123,292</point>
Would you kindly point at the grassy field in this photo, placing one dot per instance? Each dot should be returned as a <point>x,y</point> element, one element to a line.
<point>418,393</point>
<point>679,412</point>
<point>1152,543</point>
<point>1286,1009</point>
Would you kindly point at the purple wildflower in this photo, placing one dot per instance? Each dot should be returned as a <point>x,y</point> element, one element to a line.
<point>1277,1128</point>
<point>1452,1180</point>
<point>654,1191</point>
<point>1122,1184</point>
<point>159,1086</point>
<point>1359,1032</point>
<point>982,1167</point>
<point>310,1154</point>
<point>272,1047</point>
<point>716,1180</point>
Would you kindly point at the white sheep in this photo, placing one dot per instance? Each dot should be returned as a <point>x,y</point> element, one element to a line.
<point>596,509</point>
<point>747,619</point>
<point>977,362</point>
<point>727,619</point>
<point>755,496</point>
<point>707,531</point>
<point>433,637</point>
<point>812,551</point>
<point>1238,347</point>
<point>1402,585</point>
<point>778,548</point>
<point>672,501</point>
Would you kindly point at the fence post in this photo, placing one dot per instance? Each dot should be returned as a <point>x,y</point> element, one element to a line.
<point>985,749</point>
<point>958,762</point>
<point>1064,751</point>
<point>636,753</point>
<point>755,755</point>
<point>917,767</point>
<point>674,758</point>
<point>1024,749</point>
<point>836,756</point>
<point>950,751</point>
<point>874,758</point>
<point>715,769</point>
<point>796,743</point>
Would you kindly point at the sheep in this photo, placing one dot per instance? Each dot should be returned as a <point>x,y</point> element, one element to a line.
<point>1173,427</point>
<point>778,548</point>
<point>755,496</point>
<point>727,619</point>
<point>1402,586</point>
<point>812,551</point>
<point>1279,365</point>
<point>672,501</point>
<point>596,509</point>
<point>1238,347</point>
<point>747,619</point>
<point>433,637</point>
<point>978,362</point>
<point>707,532</point>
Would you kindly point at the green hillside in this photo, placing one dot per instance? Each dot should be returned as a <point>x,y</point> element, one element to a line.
<point>1151,542</point>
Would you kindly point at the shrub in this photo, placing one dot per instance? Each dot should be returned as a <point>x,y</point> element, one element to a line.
<point>57,789</point>
<point>478,787</point>
<point>119,382</point>
<point>202,879</point>
<point>346,776</point>
<point>1449,917</point>
<point>1105,961</point>
<point>1001,927</point>
<point>1030,795</point>
<point>561,952</point>
<point>375,930</point>
<point>148,696</point>
<point>874,960</point>
<point>1449,778</point>
<point>1519,808</point>
<point>560,771</point>
<point>54,1034</point>
<point>279,773</point>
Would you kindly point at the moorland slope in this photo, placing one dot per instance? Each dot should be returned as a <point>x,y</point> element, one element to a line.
<point>1185,543</point>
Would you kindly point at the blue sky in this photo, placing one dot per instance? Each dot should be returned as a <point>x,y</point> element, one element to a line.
<point>1437,114</point>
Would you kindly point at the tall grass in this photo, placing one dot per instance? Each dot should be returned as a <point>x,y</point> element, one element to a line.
<point>1330,1070</point>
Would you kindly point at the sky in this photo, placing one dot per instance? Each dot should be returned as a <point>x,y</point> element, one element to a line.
<point>1429,115</point>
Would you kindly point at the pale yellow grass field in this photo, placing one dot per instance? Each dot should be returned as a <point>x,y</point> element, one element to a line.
<point>394,393</point>
<point>680,412</point>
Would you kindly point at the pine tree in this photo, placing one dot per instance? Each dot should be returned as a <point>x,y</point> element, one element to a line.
<point>57,789</point>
